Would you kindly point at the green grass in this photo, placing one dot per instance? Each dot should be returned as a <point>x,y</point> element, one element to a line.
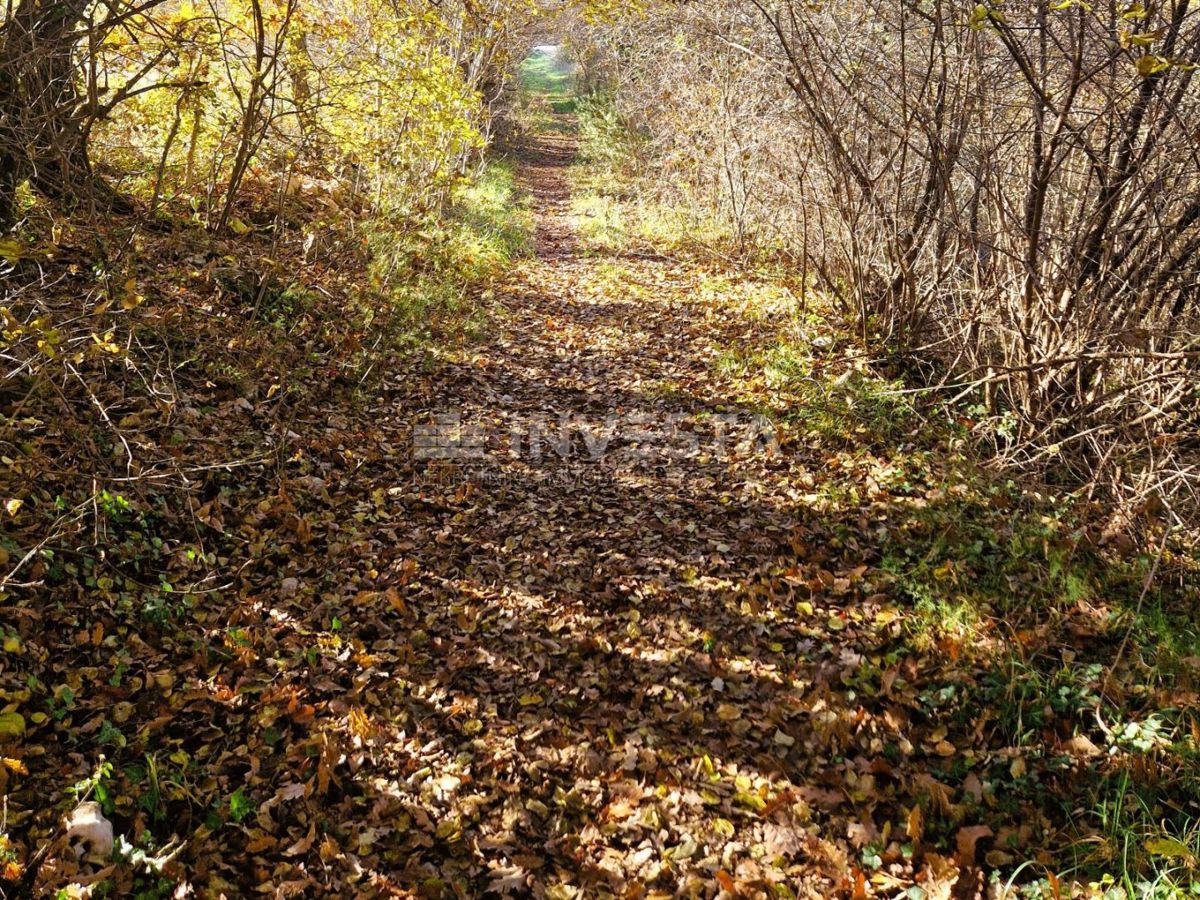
<point>850,408</point>
<point>548,73</point>
<point>1003,576</point>
<point>490,220</point>
<point>612,210</point>
<point>1147,855</point>
<point>546,98</point>
<point>431,274</point>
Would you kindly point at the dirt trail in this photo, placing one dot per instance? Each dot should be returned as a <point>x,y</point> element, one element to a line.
<point>545,162</point>
<point>551,614</point>
<point>597,697</point>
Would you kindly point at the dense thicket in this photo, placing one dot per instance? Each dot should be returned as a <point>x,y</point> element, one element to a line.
<point>1010,189</point>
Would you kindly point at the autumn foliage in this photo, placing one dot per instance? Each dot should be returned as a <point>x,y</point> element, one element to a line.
<point>460,448</point>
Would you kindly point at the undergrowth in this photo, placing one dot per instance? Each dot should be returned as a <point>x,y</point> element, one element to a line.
<point>612,206</point>
<point>431,276</point>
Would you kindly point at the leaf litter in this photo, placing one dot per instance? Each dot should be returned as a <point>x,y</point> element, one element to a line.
<point>526,674</point>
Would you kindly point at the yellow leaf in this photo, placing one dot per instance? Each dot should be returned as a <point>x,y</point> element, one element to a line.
<point>727,712</point>
<point>1168,847</point>
<point>360,724</point>
<point>13,505</point>
<point>12,725</point>
<point>1151,64</point>
<point>723,827</point>
<point>106,343</point>
<point>12,250</point>
<point>749,800</point>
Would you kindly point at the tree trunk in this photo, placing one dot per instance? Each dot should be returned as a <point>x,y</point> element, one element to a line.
<point>12,170</point>
<point>298,66</point>
<point>41,110</point>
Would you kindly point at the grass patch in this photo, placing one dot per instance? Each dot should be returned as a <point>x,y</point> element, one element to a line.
<point>766,296</point>
<point>607,173</point>
<point>1002,584</point>
<point>606,143</point>
<point>431,276</point>
<point>600,221</point>
<point>851,408</point>
<point>546,71</point>
<point>546,97</point>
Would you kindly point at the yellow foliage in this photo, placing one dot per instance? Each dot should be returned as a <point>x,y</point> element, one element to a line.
<point>383,95</point>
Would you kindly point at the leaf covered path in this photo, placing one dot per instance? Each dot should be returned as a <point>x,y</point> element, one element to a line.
<point>589,702</point>
<point>603,649</point>
<point>575,610</point>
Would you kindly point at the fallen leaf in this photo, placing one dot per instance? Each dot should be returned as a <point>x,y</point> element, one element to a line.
<point>966,842</point>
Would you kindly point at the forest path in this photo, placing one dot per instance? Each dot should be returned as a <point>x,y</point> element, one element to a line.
<point>601,689</point>
<point>654,588</point>
<point>590,605</point>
